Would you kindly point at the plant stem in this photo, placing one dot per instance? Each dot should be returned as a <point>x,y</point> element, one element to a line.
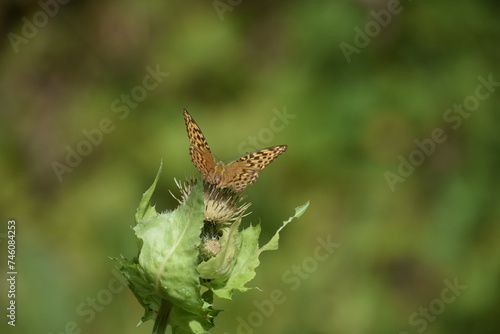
<point>161,320</point>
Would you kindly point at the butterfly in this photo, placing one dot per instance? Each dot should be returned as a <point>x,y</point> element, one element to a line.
<point>237,174</point>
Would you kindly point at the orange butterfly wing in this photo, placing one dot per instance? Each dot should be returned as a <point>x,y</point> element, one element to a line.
<point>244,171</point>
<point>199,150</point>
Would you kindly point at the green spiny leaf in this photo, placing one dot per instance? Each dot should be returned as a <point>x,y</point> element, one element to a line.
<point>145,210</point>
<point>169,254</point>
<point>248,257</point>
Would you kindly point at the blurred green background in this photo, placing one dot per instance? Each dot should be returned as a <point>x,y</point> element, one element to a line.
<point>255,74</point>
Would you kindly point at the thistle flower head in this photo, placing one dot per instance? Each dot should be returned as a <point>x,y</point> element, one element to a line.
<point>221,205</point>
<point>209,248</point>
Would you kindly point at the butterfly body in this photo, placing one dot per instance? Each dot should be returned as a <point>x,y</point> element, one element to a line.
<point>216,175</point>
<point>237,174</point>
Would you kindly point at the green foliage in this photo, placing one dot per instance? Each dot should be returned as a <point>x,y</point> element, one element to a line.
<point>248,253</point>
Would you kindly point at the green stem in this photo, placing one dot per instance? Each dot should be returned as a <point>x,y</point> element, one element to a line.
<point>161,320</point>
